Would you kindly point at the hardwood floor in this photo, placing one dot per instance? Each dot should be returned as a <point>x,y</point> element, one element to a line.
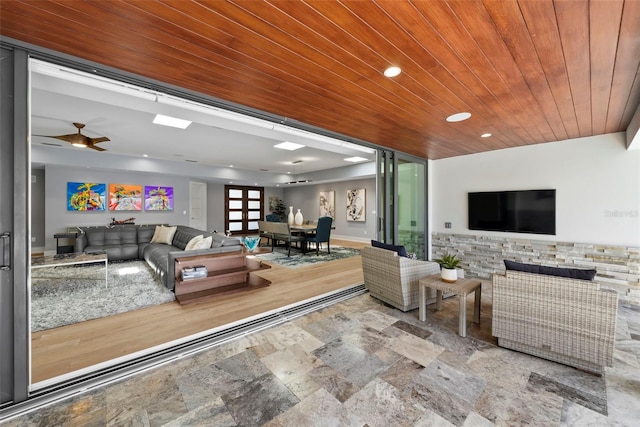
<point>69,348</point>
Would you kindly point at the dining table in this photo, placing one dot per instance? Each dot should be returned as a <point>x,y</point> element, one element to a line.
<point>304,229</point>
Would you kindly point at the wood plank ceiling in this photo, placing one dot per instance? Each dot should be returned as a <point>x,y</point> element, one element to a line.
<point>529,71</point>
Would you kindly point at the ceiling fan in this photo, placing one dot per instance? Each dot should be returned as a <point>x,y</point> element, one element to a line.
<point>80,140</point>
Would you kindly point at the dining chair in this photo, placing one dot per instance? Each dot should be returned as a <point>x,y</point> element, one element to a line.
<point>323,233</point>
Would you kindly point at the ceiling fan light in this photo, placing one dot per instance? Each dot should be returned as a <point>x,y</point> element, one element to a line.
<point>79,144</point>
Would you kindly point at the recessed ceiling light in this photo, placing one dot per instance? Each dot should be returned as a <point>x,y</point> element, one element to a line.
<point>145,155</point>
<point>230,166</point>
<point>392,71</point>
<point>458,117</point>
<point>485,135</point>
<point>355,159</point>
<point>288,146</point>
<point>171,121</point>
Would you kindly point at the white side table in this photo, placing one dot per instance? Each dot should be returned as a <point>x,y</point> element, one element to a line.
<point>462,288</point>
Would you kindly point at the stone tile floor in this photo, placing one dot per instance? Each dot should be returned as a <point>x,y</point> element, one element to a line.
<point>362,363</point>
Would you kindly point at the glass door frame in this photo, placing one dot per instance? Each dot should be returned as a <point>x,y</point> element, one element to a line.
<point>387,183</point>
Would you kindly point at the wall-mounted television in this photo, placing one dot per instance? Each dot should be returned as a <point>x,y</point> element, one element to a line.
<point>527,211</point>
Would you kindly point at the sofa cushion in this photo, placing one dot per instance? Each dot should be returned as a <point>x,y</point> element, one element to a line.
<point>194,243</point>
<point>572,273</point>
<point>184,234</point>
<point>121,235</point>
<point>164,235</point>
<point>145,233</point>
<point>220,240</point>
<point>399,249</point>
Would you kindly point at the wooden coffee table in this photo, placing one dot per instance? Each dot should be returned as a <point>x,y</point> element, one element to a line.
<point>462,288</point>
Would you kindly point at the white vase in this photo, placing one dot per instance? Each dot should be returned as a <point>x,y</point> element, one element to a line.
<point>290,216</point>
<point>298,219</point>
<point>449,275</point>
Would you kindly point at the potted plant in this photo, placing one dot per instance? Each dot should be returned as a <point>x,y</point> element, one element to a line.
<point>279,209</point>
<point>448,264</point>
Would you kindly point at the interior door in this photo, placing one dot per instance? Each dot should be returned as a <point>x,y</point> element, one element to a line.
<point>244,207</point>
<point>198,205</point>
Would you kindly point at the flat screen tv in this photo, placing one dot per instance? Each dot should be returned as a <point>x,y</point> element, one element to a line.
<point>528,211</point>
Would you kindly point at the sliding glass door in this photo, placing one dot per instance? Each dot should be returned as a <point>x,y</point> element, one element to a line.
<point>14,228</point>
<point>412,205</point>
<point>402,201</point>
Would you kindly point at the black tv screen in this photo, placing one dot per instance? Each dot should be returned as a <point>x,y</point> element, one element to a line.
<point>528,211</point>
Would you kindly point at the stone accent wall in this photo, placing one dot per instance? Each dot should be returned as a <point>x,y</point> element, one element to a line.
<point>618,267</point>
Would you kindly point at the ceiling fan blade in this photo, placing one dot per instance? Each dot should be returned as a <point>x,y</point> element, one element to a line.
<point>79,139</point>
<point>62,137</point>
<point>97,140</point>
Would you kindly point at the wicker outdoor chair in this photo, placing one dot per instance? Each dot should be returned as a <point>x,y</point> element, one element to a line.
<point>394,279</point>
<point>569,321</point>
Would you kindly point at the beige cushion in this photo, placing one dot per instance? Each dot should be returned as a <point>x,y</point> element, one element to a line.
<point>163,234</point>
<point>206,243</point>
<point>194,243</point>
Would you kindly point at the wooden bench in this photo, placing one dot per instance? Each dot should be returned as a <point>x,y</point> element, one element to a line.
<point>280,231</point>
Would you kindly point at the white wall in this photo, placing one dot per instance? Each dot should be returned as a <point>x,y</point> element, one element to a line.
<point>597,184</point>
<point>307,199</point>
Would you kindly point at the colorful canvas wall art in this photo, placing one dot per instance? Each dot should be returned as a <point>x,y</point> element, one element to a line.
<point>86,196</point>
<point>356,205</point>
<point>125,197</point>
<point>328,203</point>
<point>158,198</point>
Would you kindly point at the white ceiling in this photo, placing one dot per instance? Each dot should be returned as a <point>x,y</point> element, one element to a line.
<point>126,119</point>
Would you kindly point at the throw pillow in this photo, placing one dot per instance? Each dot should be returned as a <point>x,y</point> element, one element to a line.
<point>206,242</point>
<point>203,244</point>
<point>399,249</point>
<point>571,273</point>
<point>194,243</point>
<point>163,234</point>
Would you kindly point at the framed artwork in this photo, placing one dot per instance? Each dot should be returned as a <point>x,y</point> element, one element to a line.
<point>356,205</point>
<point>86,196</point>
<point>328,203</point>
<point>125,197</point>
<point>158,198</point>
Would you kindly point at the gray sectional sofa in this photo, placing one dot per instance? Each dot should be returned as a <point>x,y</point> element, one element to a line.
<point>126,242</point>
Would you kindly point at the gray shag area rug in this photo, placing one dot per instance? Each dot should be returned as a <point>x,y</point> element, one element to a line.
<point>297,259</point>
<point>71,294</point>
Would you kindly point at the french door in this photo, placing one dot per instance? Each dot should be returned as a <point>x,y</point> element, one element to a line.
<point>244,207</point>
